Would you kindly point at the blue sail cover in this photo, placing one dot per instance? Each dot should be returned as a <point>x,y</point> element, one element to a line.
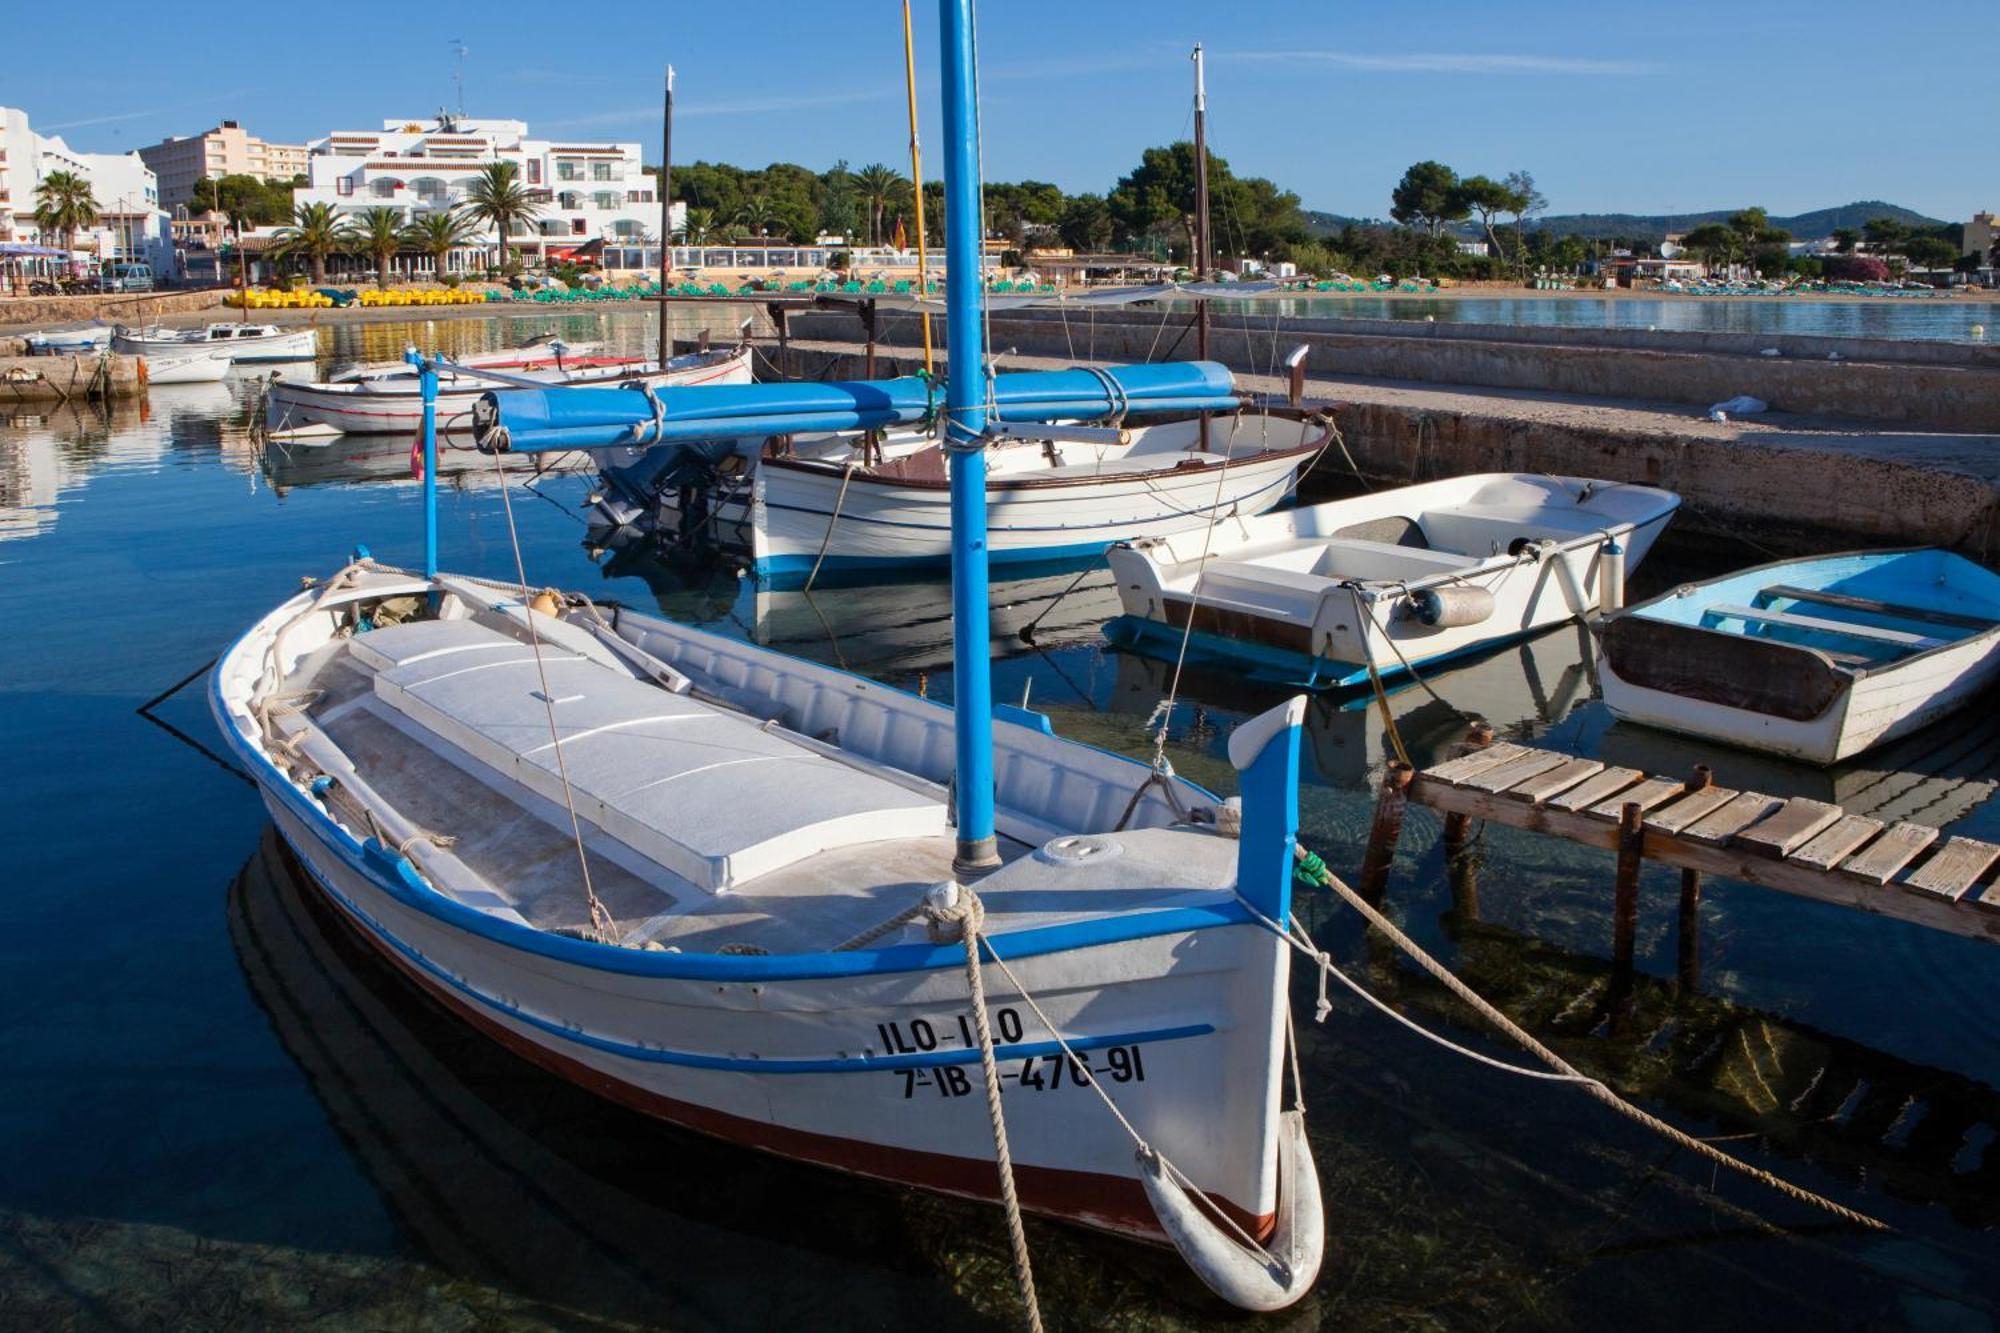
<point>565,418</point>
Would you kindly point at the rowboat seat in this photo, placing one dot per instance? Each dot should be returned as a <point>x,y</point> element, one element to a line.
<point>681,782</point>
<point>1896,640</point>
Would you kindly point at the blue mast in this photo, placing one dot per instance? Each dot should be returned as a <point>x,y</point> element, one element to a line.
<point>965,430</point>
<point>427,380</point>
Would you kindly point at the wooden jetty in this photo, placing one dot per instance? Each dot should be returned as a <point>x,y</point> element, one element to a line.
<point>1807,847</point>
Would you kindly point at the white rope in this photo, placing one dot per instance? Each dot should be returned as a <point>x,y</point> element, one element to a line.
<point>1594,1087</point>
<point>1146,1149</point>
<point>600,919</point>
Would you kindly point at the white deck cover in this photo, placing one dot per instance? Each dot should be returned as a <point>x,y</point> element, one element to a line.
<point>708,794</point>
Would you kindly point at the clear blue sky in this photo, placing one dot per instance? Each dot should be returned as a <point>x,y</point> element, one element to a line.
<point>1615,108</point>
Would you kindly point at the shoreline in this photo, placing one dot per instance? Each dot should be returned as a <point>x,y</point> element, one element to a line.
<point>132,306</point>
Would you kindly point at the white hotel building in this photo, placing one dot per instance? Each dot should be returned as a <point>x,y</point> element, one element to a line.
<point>587,192</point>
<point>131,226</point>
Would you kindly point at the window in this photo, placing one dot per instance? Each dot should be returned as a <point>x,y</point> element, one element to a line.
<point>569,171</point>
<point>638,196</point>
<point>578,227</point>
<point>534,171</point>
<point>345,185</point>
<point>606,199</point>
<point>386,187</point>
<point>430,189</point>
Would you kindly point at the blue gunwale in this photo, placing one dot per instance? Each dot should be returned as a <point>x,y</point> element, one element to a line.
<point>865,1063</point>
<point>398,877</point>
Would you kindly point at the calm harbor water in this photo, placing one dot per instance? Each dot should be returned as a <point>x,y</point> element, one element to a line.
<point>220,1111</point>
<point>1934,318</point>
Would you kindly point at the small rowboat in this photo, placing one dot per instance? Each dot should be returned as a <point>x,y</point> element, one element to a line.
<point>1815,659</point>
<point>1386,583</point>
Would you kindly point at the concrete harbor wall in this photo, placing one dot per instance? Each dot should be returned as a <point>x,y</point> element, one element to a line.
<point>44,379</point>
<point>1785,490</point>
<point>1942,387</point>
<point>31,312</point>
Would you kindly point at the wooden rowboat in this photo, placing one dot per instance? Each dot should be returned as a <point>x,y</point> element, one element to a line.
<point>1816,659</point>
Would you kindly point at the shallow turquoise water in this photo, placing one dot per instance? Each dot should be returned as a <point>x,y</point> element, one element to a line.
<point>220,1111</point>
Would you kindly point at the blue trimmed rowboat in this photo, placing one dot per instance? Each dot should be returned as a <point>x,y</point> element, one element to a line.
<point>1815,659</point>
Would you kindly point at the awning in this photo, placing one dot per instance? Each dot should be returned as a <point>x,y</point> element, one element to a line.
<point>18,251</point>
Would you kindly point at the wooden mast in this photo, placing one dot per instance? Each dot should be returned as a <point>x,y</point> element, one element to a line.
<point>666,212</point>
<point>916,185</point>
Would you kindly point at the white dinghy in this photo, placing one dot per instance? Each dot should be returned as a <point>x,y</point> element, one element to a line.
<point>1815,659</point>
<point>1325,595</point>
<point>800,910</point>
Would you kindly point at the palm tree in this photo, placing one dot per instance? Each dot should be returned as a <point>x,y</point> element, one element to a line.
<point>378,232</point>
<point>317,231</point>
<point>879,187</point>
<point>438,234</point>
<point>758,215</point>
<point>497,199</point>
<point>65,205</point>
<point>700,226</point>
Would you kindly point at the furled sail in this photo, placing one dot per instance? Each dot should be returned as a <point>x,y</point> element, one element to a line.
<point>534,420</point>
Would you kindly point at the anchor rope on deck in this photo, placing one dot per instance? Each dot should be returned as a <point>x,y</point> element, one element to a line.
<point>1316,871</point>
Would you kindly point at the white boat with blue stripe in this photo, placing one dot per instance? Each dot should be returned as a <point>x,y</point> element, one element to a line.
<point>798,909</point>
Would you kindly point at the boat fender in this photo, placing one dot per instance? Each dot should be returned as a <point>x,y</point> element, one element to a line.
<point>1267,1279</point>
<point>1444,608</point>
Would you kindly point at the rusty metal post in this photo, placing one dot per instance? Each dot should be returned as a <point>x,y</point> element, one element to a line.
<point>868,323</point>
<point>1625,901</point>
<point>1688,965</point>
<point>1387,829</point>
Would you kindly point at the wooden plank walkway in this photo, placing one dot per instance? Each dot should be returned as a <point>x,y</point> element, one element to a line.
<point>1797,846</point>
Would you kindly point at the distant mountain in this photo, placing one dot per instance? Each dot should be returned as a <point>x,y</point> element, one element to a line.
<point>1811,226</point>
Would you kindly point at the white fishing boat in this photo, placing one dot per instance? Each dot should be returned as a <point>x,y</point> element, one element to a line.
<point>801,910</point>
<point>385,399</point>
<point>1815,659</point>
<point>197,366</point>
<point>70,338</point>
<point>1324,595</point>
<point>839,508</point>
<point>244,344</point>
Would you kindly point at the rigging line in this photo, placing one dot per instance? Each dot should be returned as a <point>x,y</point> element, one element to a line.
<point>600,919</point>
<point>1194,600</point>
<point>1596,1088</point>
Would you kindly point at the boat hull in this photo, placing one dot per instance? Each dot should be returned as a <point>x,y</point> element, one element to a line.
<point>1874,646</point>
<point>1332,637</point>
<point>294,345</point>
<point>355,409</point>
<point>862,1061</point>
<point>798,518</point>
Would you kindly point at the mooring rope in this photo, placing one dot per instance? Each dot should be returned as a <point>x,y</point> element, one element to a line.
<point>964,913</point>
<point>1311,868</point>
